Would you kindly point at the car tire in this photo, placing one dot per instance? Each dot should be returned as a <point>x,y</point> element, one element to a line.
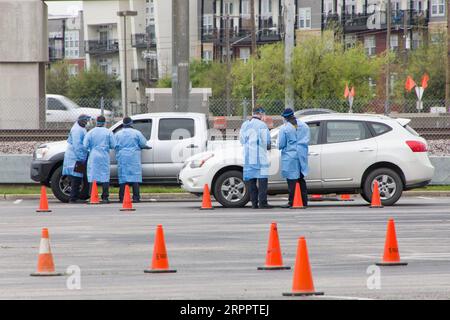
<point>57,186</point>
<point>237,196</point>
<point>390,184</point>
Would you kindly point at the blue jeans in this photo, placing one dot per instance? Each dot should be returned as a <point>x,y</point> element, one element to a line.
<point>258,191</point>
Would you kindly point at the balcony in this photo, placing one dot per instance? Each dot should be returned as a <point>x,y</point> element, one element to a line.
<point>97,47</point>
<point>142,40</point>
<point>358,22</point>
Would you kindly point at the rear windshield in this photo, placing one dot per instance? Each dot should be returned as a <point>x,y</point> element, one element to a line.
<point>411,130</point>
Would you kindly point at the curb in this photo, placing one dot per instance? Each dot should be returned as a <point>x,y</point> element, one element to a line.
<point>169,197</point>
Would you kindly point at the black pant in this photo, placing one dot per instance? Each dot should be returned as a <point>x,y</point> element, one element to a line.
<point>75,184</point>
<point>136,194</point>
<point>258,191</point>
<point>105,189</point>
<point>304,190</point>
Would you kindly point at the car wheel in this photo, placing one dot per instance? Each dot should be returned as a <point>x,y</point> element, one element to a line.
<point>61,186</point>
<point>389,183</point>
<point>230,190</point>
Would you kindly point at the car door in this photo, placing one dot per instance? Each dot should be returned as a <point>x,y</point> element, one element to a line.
<point>56,111</point>
<point>348,150</point>
<point>145,126</point>
<point>176,140</point>
<point>313,180</point>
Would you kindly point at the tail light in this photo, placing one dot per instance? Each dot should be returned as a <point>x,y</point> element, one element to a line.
<point>417,146</point>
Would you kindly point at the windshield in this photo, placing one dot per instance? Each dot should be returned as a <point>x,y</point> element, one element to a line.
<point>69,103</point>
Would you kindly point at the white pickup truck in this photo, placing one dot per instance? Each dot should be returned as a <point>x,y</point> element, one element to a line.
<point>174,137</point>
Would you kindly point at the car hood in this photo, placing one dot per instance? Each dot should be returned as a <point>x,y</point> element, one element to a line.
<point>91,111</point>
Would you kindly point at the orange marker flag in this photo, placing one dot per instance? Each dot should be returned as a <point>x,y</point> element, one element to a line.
<point>352,92</point>
<point>410,84</point>
<point>346,92</point>
<point>425,80</point>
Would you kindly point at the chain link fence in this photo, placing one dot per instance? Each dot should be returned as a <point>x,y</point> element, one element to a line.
<point>27,123</point>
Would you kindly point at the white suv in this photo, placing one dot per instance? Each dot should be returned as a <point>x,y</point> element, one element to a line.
<point>347,153</point>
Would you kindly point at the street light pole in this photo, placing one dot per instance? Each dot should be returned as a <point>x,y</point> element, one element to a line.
<point>125,14</point>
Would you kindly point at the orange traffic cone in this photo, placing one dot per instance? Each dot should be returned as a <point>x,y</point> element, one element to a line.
<point>43,204</point>
<point>274,261</point>
<point>376,200</point>
<point>45,265</point>
<point>127,205</point>
<point>346,197</point>
<point>206,202</point>
<point>303,282</point>
<point>160,261</point>
<point>298,201</point>
<point>316,197</point>
<point>391,255</point>
<point>94,194</point>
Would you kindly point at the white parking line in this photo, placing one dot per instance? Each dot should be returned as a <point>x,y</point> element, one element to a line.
<point>342,297</point>
<point>18,201</point>
<point>425,198</point>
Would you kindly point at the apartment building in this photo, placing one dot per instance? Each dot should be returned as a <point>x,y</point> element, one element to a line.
<point>214,15</point>
<point>148,41</point>
<point>66,41</point>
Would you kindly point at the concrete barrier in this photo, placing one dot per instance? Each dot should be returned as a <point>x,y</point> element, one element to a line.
<point>15,169</point>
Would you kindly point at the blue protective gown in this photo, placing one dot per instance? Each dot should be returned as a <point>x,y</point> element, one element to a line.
<point>255,138</point>
<point>75,150</point>
<point>98,142</point>
<point>287,143</point>
<point>303,136</point>
<point>129,143</point>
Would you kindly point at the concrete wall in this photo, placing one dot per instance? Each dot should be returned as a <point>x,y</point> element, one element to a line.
<point>23,54</point>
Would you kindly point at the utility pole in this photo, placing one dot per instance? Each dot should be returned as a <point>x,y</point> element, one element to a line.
<point>289,18</point>
<point>180,55</point>
<point>253,27</point>
<point>447,80</point>
<point>228,61</point>
<point>254,52</point>
<point>388,64</point>
<point>405,33</point>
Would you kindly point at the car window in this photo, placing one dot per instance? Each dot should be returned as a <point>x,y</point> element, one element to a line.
<point>314,129</point>
<point>176,129</point>
<point>144,126</point>
<point>379,128</point>
<point>55,104</point>
<point>343,131</point>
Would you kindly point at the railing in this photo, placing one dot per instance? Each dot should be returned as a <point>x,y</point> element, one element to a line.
<point>101,47</point>
<point>142,40</point>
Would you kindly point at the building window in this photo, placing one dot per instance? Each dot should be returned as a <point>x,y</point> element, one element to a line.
<point>266,7</point>
<point>208,24</point>
<point>370,45</point>
<point>394,42</point>
<point>207,55</point>
<point>73,69</point>
<point>416,40</point>
<point>438,8</point>
<point>304,18</point>
<point>244,54</point>
<point>228,8</point>
<point>328,7</point>
<point>245,12</point>
<point>350,41</point>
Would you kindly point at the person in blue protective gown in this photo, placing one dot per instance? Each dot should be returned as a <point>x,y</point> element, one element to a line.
<point>255,138</point>
<point>293,140</point>
<point>129,143</point>
<point>75,157</point>
<point>98,142</point>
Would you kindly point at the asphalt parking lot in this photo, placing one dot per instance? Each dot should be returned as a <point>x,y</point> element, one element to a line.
<point>216,253</point>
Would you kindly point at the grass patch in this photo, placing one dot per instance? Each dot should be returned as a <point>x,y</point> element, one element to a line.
<point>17,189</point>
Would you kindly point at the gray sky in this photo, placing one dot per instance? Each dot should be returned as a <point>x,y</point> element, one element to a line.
<point>64,7</point>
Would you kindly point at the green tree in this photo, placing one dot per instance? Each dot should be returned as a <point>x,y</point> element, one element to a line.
<point>57,78</point>
<point>94,84</point>
<point>426,59</point>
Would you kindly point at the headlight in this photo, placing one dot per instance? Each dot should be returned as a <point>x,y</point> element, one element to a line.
<point>40,152</point>
<point>199,163</point>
